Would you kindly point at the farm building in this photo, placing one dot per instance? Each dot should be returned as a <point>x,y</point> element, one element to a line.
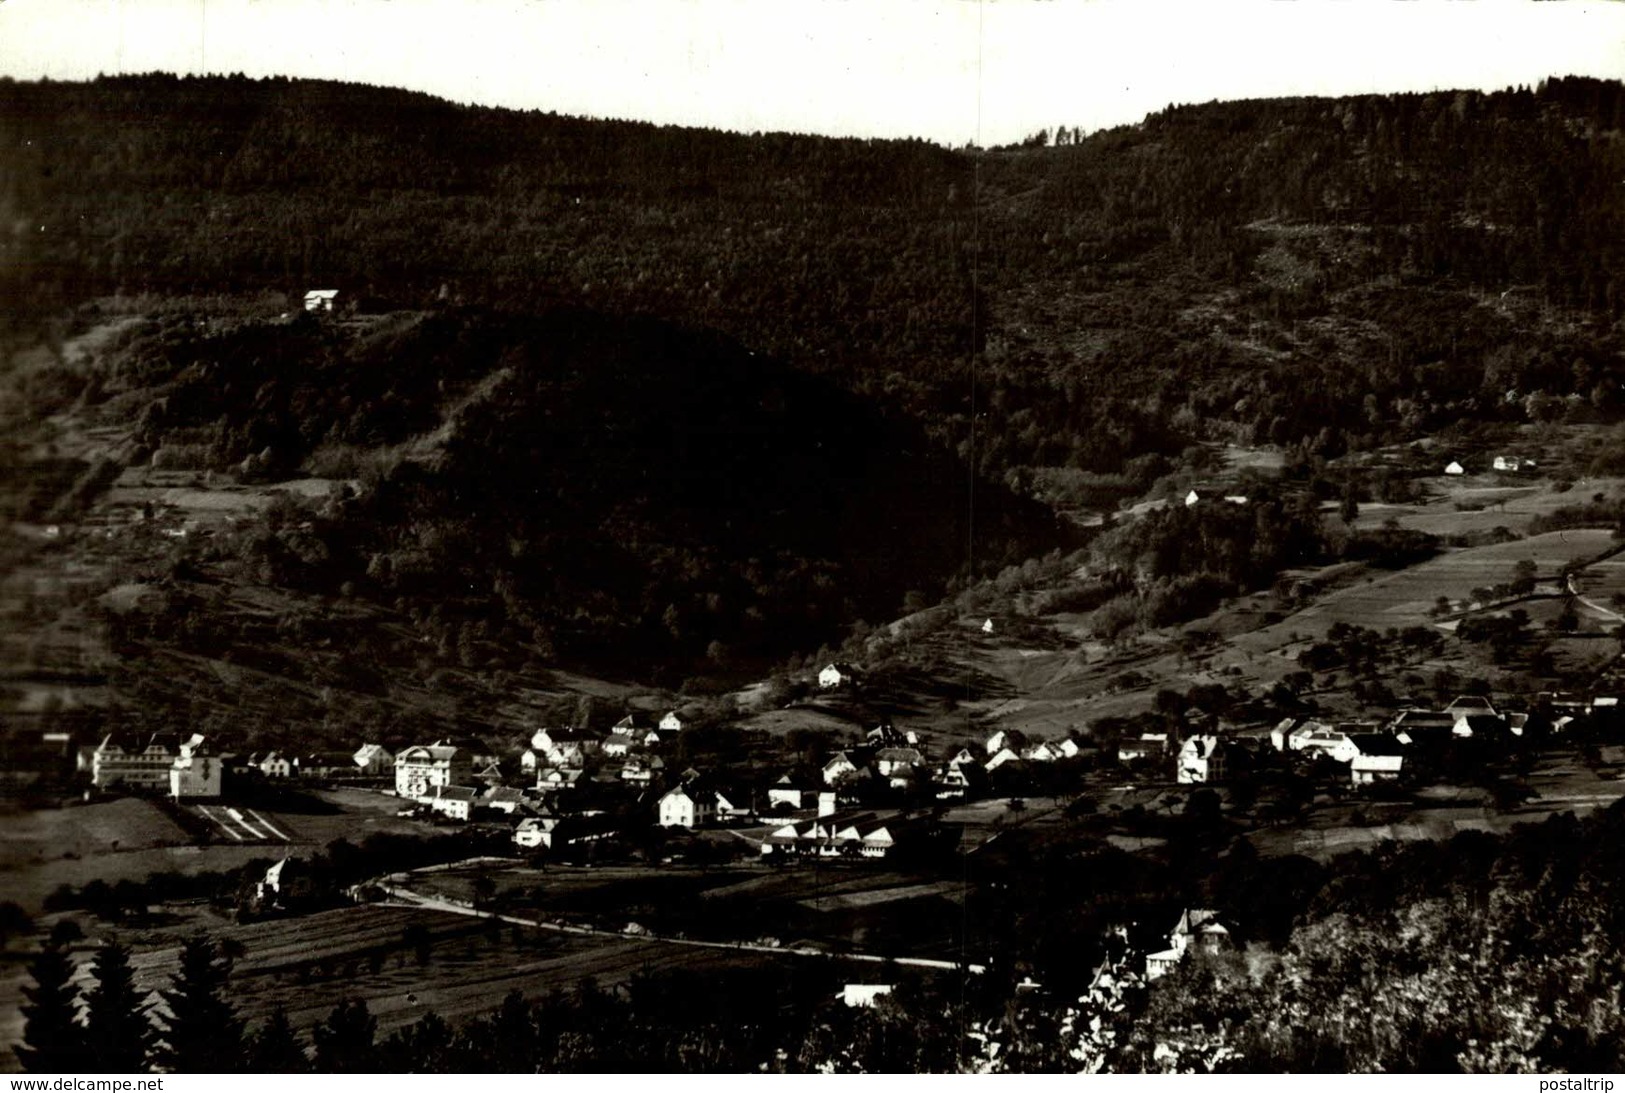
<point>321,300</point>
<point>1365,770</point>
<point>1454,468</point>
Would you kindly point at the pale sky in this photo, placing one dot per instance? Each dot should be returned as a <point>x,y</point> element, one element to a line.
<point>949,70</point>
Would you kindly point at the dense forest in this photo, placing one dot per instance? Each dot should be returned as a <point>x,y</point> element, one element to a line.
<point>608,491</point>
<point>1322,273</point>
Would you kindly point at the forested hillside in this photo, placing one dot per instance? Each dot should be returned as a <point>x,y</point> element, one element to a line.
<point>623,493</point>
<point>1312,272</point>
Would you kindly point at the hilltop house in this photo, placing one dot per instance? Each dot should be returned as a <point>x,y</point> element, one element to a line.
<point>1454,468</point>
<point>1197,929</point>
<point>374,761</point>
<point>671,723</point>
<point>837,674</point>
<point>424,767</point>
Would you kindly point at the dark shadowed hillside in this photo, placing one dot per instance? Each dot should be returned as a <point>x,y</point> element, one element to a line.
<point>622,492</point>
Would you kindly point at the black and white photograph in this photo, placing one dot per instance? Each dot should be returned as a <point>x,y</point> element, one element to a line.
<point>788,537</point>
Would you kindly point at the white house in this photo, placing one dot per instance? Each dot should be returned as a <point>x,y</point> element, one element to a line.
<point>456,802</point>
<point>671,722</point>
<point>1367,769</point>
<point>1150,744</point>
<point>1454,468</point>
<point>1201,759</point>
<point>897,761</point>
<point>997,742</point>
<point>685,807</point>
<point>425,767</point>
<point>836,674</point>
<point>321,300</point>
<point>785,792</point>
<point>1512,463</point>
<point>195,773</point>
<point>1192,498</point>
<point>839,766</point>
<point>563,747</point>
<point>1000,758</point>
<point>374,760</point>
<point>618,743</point>
<point>275,765</point>
<point>987,626</point>
<point>535,832</point>
<point>863,995</point>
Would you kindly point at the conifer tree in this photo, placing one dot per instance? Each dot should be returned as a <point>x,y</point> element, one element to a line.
<point>275,1049</point>
<point>51,1031</point>
<point>344,1042</point>
<point>118,1031</point>
<point>203,1034</point>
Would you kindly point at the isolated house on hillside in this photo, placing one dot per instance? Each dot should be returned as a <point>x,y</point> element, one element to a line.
<point>671,722</point>
<point>837,674</point>
<point>321,300</point>
<point>1513,463</point>
<point>1454,468</point>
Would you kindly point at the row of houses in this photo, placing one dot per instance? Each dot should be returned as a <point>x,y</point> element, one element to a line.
<point>181,765</point>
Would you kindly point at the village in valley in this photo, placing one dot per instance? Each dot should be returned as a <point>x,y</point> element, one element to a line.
<point>547,598</point>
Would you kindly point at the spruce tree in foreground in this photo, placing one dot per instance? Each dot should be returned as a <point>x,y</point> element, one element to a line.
<point>345,1041</point>
<point>51,1032</point>
<point>275,1049</point>
<point>203,1034</point>
<point>118,1030</point>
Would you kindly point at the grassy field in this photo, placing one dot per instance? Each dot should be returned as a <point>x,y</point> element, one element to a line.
<point>307,965</point>
<point>825,905</point>
<point>131,839</point>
